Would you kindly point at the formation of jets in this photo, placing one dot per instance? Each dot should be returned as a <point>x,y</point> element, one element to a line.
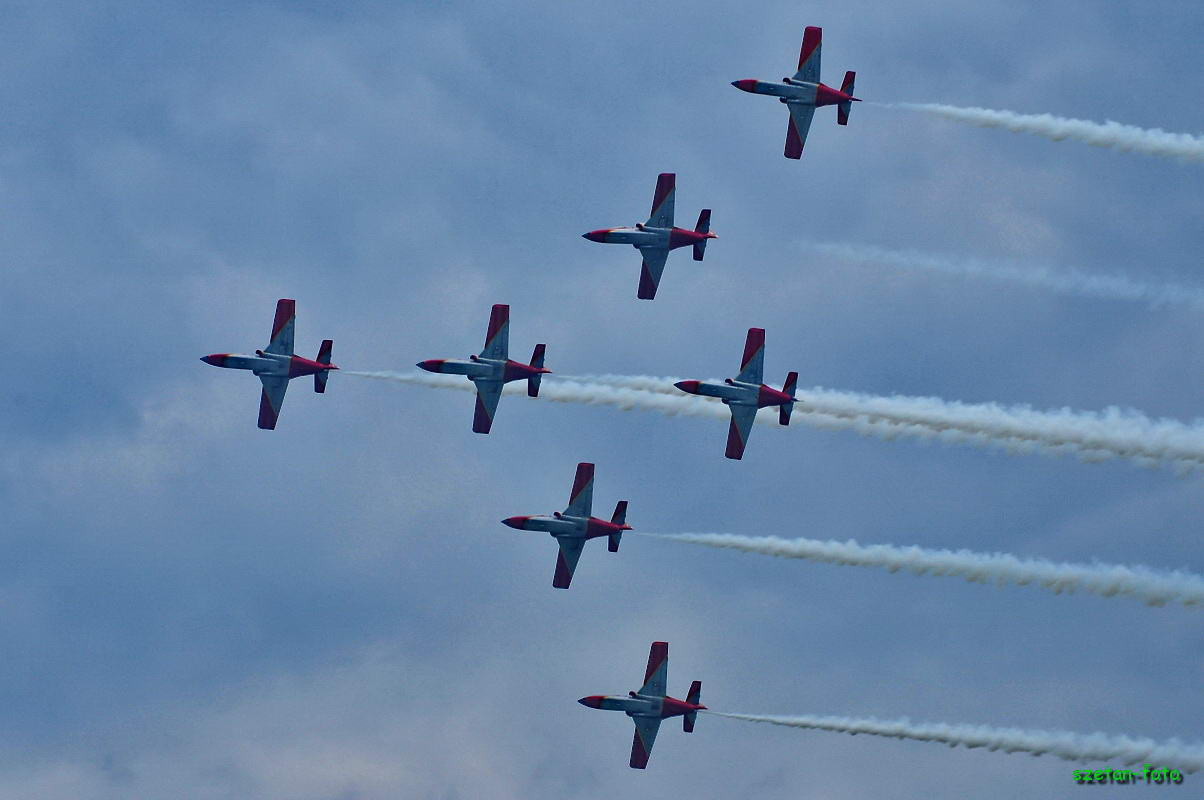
<point>489,371</point>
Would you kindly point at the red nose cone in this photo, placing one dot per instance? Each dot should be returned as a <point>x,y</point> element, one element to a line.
<point>217,359</point>
<point>431,365</point>
<point>593,701</point>
<point>746,85</point>
<point>689,387</point>
<point>596,236</point>
<point>515,522</point>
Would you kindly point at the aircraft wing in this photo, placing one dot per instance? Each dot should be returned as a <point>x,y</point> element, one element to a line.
<point>488,395</point>
<point>282,330</point>
<point>656,677</point>
<point>808,57</point>
<point>581,499</point>
<point>797,127</point>
<point>566,560</point>
<point>752,365</point>
<point>274,387</point>
<point>650,271</point>
<point>741,426</point>
<point>662,201</point>
<point>645,736</point>
<point>497,338</point>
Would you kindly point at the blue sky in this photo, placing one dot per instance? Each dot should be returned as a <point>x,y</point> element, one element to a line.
<point>195,608</point>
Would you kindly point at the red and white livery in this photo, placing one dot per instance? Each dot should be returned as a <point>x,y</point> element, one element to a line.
<point>656,237</point>
<point>650,705</point>
<point>744,395</point>
<point>804,93</point>
<point>575,526</point>
<point>277,364</point>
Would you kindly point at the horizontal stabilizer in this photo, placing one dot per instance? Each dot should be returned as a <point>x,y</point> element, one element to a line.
<point>703,226</point>
<point>785,408</point>
<point>323,358</point>
<point>536,361</point>
<point>843,109</point>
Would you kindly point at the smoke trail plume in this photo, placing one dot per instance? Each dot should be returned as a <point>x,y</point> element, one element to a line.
<point>1093,436</point>
<point>1076,282</point>
<point>1112,433</point>
<point>1063,744</point>
<point>1153,587</point>
<point>1126,138</point>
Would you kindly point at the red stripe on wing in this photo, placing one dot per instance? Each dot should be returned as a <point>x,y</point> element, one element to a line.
<point>794,142</point>
<point>811,39</point>
<point>656,657</point>
<point>267,414</point>
<point>583,478</point>
<point>285,310</point>
<point>639,754</point>
<point>481,421</point>
<point>563,576</point>
<point>498,316</point>
<point>735,444</point>
<point>754,342</point>
<point>665,183</point>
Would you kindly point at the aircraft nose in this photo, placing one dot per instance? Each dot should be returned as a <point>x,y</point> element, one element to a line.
<point>515,522</point>
<point>746,85</point>
<point>690,387</point>
<point>215,359</point>
<point>592,701</point>
<point>431,365</point>
<point>596,236</point>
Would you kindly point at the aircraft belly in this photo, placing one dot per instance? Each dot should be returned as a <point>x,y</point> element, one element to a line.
<point>721,390</point>
<point>470,368</point>
<point>259,365</point>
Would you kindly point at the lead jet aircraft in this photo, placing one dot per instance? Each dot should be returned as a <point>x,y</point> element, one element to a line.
<point>745,394</point>
<point>803,93</point>
<point>493,368</point>
<point>656,237</point>
<point>650,705</point>
<point>573,527</point>
<point>276,364</point>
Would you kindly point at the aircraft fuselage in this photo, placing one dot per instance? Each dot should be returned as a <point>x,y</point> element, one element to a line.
<point>565,525</point>
<point>641,705</point>
<point>486,369</point>
<point>792,91</point>
<point>270,364</point>
<point>733,392</point>
<point>641,236</point>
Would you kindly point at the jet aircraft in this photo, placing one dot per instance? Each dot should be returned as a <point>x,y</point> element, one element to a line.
<point>573,527</point>
<point>276,364</point>
<point>656,237</point>
<point>493,368</point>
<point>650,705</point>
<point>745,394</point>
<point>803,93</point>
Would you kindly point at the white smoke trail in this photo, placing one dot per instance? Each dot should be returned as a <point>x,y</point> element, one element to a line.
<point>1076,282</point>
<point>1112,433</point>
<point>1153,587</point>
<point>1126,138</point>
<point>1063,744</point>
<point>1093,436</point>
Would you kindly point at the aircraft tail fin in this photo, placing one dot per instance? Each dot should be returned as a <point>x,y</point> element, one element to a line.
<point>323,358</point>
<point>789,388</point>
<point>618,518</point>
<point>842,110</point>
<point>536,361</point>
<point>687,720</point>
<point>703,226</point>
